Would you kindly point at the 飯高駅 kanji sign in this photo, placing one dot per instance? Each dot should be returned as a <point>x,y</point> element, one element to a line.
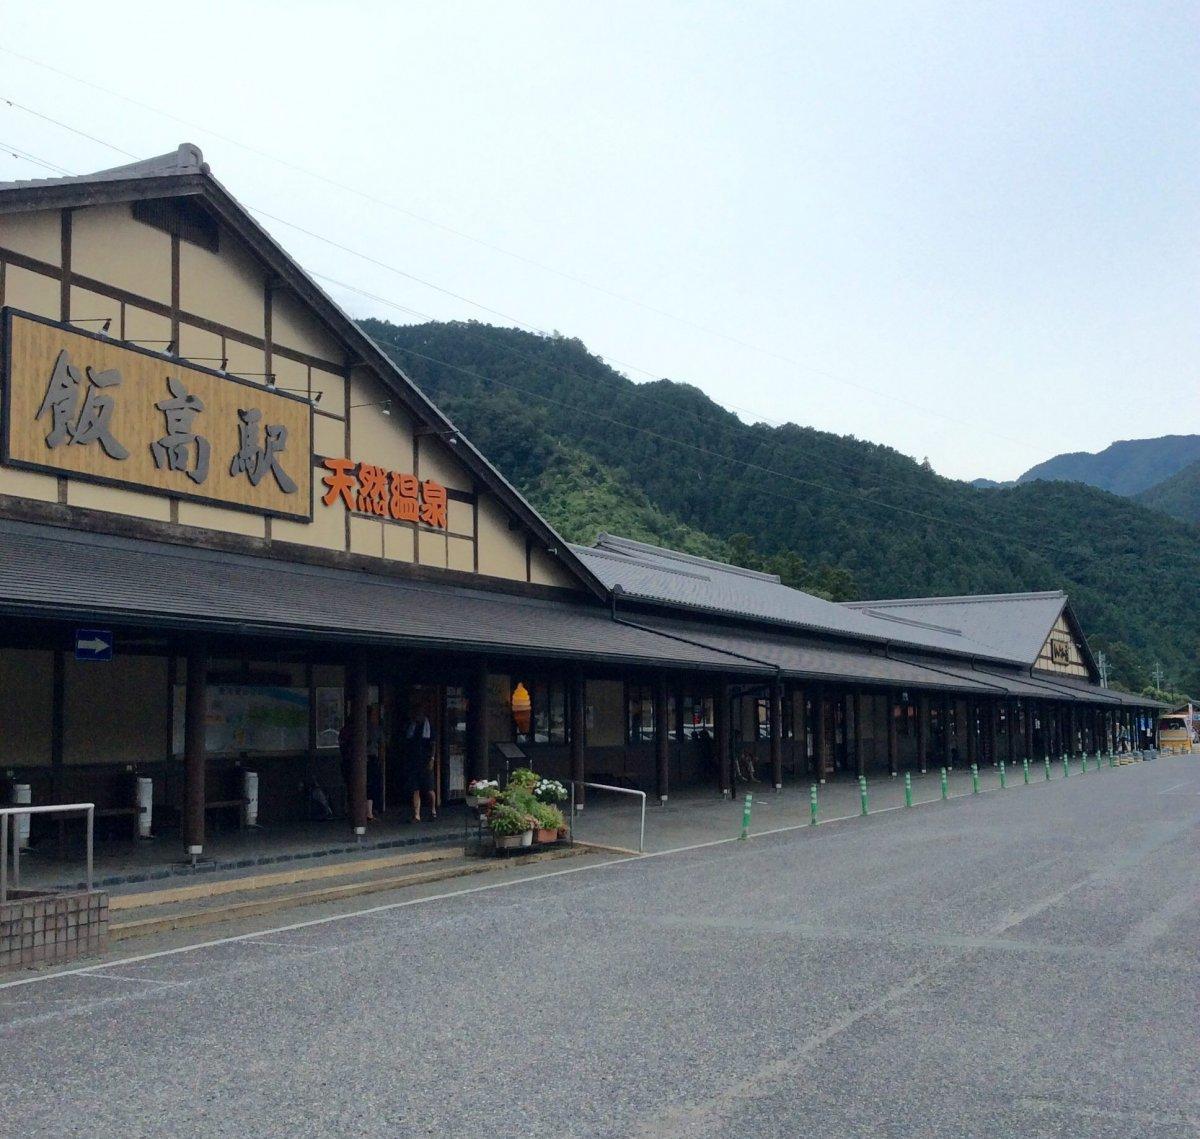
<point>83,405</point>
<point>368,489</point>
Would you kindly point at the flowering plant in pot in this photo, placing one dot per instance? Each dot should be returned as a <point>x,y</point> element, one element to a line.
<point>511,826</point>
<point>549,791</point>
<point>549,820</point>
<point>480,791</point>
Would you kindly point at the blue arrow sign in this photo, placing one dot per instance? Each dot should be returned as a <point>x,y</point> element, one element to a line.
<point>93,644</point>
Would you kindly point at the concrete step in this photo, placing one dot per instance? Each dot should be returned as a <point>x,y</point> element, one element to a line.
<point>138,897</point>
<point>264,898</point>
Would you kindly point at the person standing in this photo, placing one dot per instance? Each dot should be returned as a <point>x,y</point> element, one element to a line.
<point>420,764</point>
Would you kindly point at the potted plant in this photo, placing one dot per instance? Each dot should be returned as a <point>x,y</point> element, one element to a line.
<point>481,791</point>
<point>549,819</point>
<point>523,777</point>
<point>510,826</point>
<point>549,791</point>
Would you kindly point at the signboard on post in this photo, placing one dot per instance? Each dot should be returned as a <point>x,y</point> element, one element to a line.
<point>79,404</point>
<point>93,644</point>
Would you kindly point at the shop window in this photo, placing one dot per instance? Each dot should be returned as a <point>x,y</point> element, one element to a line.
<point>639,715</point>
<point>539,709</point>
<point>762,717</point>
<point>697,716</point>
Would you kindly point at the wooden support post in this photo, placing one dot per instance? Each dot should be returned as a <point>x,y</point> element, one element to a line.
<point>893,734</point>
<point>721,718</point>
<point>922,732</point>
<point>993,737</point>
<point>855,701</point>
<point>972,730</point>
<point>947,731</point>
<point>194,757</point>
<point>1010,720</point>
<point>1029,708</point>
<point>359,735</point>
<point>662,737</point>
<point>820,735</point>
<point>777,734</point>
<point>578,737</point>
<point>477,722</point>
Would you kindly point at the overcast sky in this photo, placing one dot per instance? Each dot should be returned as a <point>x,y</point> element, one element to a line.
<point>965,230</point>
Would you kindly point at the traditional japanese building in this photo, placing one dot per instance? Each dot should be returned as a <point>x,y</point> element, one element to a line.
<point>226,518</point>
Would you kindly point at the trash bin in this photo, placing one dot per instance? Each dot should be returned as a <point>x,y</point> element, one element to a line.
<point>145,804</point>
<point>250,798</point>
<point>22,796</point>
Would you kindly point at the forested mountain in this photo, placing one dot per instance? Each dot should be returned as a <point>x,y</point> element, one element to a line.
<point>663,462</point>
<point>1126,467</point>
<point>1178,496</point>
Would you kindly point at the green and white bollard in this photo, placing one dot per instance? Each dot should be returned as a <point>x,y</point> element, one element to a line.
<point>1025,770</point>
<point>746,817</point>
<point>1066,768</point>
<point>907,789</point>
<point>1083,764</point>
<point>862,792</point>
<point>1112,759</point>
<point>812,805</point>
<point>1099,759</point>
<point>1003,777</point>
<point>1047,769</point>
<point>974,779</point>
<point>945,785</point>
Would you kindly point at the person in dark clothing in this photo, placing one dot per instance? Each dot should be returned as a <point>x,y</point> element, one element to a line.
<point>419,760</point>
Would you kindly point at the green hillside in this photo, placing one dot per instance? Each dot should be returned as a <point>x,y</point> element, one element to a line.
<point>662,461</point>
<point>1178,496</point>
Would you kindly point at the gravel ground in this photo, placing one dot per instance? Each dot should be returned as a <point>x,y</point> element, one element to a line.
<point>1021,963</point>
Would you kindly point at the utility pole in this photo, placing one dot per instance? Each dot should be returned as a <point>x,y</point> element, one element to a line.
<point>1158,677</point>
<point>1102,663</point>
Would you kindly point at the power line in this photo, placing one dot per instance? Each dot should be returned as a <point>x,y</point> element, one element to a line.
<point>409,276</point>
<point>8,148</point>
<point>852,493</point>
<point>358,192</point>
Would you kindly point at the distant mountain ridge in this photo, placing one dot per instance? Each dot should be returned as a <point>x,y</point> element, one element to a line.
<point>663,463</point>
<point>1127,467</point>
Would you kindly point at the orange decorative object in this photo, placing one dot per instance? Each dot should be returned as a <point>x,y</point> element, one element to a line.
<point>522,708</point>
<point>369,489</point>
<point>340,482</point>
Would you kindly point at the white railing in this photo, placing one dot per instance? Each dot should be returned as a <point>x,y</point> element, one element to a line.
<point>16,813</point>
<point>619,791</point>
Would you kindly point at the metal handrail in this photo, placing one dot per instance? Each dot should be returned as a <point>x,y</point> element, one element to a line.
<point>619,791</point>
<point>88,809</point>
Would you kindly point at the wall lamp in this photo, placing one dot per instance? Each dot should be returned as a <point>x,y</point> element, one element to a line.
<point>384,405</point>
<point>105,322</point>
<point>170,344</point>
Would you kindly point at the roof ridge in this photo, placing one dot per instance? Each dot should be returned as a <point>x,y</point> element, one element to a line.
<point>604,539</point>
<point>961,597</point>
<point>186,158</point>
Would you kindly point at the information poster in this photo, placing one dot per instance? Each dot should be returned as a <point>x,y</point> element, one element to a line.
<point>249,718</point>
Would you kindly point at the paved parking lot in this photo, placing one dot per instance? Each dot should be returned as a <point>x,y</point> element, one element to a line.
<point>1019,963</point>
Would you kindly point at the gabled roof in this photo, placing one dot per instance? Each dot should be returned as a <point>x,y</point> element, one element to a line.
<point>1016,625</point>
<point>686,582</point>
<point>183,173</point>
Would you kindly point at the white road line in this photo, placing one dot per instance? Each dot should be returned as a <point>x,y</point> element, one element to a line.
<point>1174,787</point>
<point>444,896</point>
<point>96,972</point>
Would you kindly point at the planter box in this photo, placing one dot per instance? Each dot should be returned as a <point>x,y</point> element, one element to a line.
<point>547,834</point>
<point>48,929</point>
<point>513,841</point>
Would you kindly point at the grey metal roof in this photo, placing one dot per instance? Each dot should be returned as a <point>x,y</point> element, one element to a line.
<point>63,574</point>
<point>798,659</point>
<point>653,574</point>
<point>1015,625</point>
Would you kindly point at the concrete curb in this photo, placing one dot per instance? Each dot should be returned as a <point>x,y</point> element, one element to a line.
<point>194,919</point>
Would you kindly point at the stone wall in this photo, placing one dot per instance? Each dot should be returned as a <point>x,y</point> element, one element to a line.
<point>48,929</point>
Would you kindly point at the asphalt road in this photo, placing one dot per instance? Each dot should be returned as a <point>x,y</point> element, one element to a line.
<point>1021,963</point>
